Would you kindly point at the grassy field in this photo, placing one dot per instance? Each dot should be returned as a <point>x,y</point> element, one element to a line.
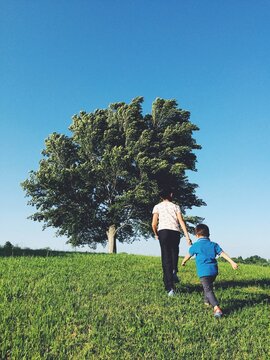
<point>99,306</point>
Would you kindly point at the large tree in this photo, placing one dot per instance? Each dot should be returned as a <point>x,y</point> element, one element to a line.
<point>101,182</point>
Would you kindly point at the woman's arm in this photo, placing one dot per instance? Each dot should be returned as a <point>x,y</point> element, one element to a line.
<point>184,228</point>
<point>154,224</point>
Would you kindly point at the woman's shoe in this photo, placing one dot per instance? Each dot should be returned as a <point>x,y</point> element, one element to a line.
<point>171,292</point>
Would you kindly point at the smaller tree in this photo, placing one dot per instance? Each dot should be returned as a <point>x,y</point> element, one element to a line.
<point>8,248</point>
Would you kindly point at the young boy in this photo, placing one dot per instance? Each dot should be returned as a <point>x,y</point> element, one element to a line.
<point>206,264</point>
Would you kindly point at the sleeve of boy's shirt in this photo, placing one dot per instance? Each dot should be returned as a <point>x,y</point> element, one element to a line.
<point>218,249</point>
<point>155,210</point>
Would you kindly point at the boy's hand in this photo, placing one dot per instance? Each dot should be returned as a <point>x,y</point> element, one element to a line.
<point>234,265</point>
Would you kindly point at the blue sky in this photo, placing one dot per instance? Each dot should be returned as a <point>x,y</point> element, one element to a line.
<point>60,57</point>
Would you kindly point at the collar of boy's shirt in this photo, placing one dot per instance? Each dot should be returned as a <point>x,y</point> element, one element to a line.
<point>203,238</point>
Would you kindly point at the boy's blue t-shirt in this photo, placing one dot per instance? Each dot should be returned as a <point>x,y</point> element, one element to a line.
<point>206,252</point>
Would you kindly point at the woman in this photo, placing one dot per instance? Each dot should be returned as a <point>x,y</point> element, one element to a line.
<point>165,224</point>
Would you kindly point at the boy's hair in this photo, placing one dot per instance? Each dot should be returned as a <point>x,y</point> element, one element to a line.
<point>202,230</point>
<point>166,194</point>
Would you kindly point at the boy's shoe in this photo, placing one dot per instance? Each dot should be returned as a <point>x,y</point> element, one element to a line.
<point>218,313</point>
<point>171,292</point>
<point>175,278</point>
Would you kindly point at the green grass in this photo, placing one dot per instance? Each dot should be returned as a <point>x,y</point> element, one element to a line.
<point>114,307</point>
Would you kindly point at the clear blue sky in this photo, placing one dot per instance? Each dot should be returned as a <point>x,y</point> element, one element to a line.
<point>60,57</point>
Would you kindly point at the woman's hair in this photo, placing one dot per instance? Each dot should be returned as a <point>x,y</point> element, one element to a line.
<point>202,230</point>
<point>166,194</point>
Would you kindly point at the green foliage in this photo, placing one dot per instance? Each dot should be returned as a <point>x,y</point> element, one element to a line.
<point>255,259</point>
<point>8,248</point>
<point>114,307</point>
<point>110,170</point>
<point>17,251</point>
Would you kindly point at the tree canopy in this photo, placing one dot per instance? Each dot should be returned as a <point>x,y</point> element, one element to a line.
<point>101,182</point>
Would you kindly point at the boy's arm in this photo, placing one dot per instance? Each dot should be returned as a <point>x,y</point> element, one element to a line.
<point>184,228</point>
<point>186,258</point>
<point>226,257</point>
<point>154,224</point>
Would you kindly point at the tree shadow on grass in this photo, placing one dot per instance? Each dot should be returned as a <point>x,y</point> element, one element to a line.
<point>233,305</point>
<point>244,298</point>
<point>242,283</point>
<point>247,296</point>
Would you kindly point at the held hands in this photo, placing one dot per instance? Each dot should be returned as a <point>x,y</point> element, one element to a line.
<point>183,263</point>
<point>156,237</point>
<point>189,242</point>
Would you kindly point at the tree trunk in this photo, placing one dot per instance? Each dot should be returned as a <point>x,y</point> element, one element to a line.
<point>111,239</point>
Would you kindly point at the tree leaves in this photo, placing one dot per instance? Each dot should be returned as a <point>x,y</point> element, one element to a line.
<point>110,170</point>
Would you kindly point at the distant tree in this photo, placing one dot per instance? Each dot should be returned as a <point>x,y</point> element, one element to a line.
<point>8,248</point>
<point>255,259</point>
<point>8,245</point>
<point>238,259</point>
<point>101,182</point>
